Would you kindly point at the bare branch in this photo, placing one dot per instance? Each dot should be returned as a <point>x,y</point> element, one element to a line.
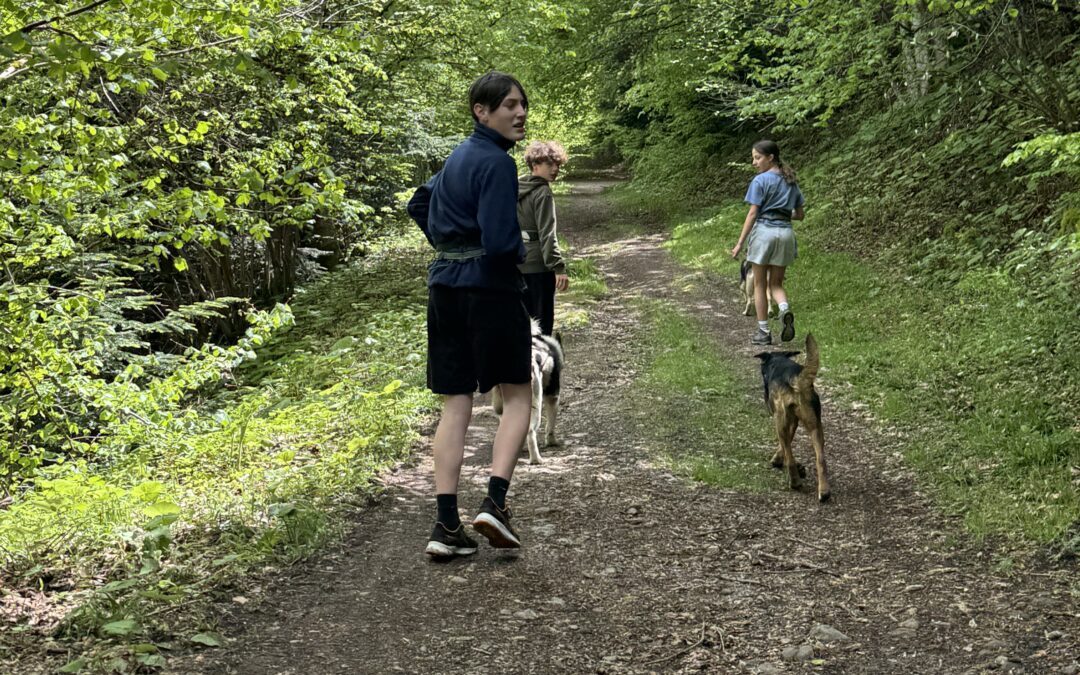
<point>45,23</point>
<point>216,43</point>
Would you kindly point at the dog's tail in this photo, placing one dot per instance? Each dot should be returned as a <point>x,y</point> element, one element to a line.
<point>810,369</point>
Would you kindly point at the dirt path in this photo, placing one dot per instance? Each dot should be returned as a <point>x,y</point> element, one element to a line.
<point>627,568</point>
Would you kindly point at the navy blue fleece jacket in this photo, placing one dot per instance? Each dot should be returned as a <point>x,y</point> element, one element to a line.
<point>472,203</point>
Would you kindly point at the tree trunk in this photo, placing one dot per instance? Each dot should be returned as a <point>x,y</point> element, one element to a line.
<point>325,238</point>
<point>920,46</point>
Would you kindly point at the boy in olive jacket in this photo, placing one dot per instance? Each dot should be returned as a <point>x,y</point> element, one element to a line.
<point>544,269</point>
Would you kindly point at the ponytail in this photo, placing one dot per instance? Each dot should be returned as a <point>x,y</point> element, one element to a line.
<point>766,147</point>
<point>788,173</point>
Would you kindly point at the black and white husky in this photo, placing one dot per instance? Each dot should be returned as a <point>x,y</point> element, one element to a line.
<point>547,365</point>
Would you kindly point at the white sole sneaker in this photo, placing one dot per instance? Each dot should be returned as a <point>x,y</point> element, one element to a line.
<point>437,549</point>
<point>497,534</point>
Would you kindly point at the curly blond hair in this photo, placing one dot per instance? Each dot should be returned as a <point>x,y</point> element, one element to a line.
<point>540,152</point>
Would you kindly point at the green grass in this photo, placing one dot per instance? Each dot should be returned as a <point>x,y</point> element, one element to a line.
<point>695,409</point>
<point>263,470</point>
<point>587,287</point>
<point>633,212</point>
<point>975,377</point>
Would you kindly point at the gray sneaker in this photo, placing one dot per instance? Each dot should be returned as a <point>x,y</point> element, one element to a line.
<point>761,337</point>
<point>787,320</point>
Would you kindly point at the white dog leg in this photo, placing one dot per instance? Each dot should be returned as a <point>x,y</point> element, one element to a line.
<point>534,417</point>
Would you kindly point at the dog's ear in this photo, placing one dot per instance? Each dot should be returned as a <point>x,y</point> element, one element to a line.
<point>790,354</point>
<point>764,356</point>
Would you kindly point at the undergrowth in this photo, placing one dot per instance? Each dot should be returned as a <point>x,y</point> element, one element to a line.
<point>123,553</point>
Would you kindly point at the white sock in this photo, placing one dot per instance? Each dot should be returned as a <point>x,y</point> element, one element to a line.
<point>763,326</point>
<point>783,307</point>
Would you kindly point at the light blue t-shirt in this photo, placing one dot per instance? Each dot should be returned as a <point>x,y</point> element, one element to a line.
<point>776,199</point>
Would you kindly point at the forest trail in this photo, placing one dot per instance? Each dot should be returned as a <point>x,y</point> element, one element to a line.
<point>627,568</point>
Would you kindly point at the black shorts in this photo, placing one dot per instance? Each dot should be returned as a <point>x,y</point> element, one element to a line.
<point>477,338</point>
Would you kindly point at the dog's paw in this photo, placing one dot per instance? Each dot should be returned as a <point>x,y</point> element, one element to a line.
<point>795,478</point>
<point>536,460</point>
<point>824,497</point>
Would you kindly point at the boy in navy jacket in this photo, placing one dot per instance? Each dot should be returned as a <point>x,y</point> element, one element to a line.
<point>479,333</point>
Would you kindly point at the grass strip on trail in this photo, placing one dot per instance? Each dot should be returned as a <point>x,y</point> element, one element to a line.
<point>694,407</point>
<point>587,287</point>
<point>986,403</point>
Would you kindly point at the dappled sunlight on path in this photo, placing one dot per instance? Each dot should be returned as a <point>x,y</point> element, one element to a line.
<point>629,568</point>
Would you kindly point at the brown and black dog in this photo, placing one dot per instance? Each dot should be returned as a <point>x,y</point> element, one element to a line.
<point>790,395</point>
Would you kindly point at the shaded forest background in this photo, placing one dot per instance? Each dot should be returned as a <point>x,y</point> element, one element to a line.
<point>173,174</point>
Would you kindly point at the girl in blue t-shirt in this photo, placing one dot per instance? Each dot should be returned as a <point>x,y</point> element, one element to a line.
<point>775,200</point>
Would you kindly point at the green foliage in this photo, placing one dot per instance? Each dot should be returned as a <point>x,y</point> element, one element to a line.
<point>76,385</point>
<point>169,169</point>
<point>260,470</point>
<point>931,126</point>
<point>330,381</point>
<point>154,167</point>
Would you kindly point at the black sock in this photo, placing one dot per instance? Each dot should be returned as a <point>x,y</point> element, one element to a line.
<point>447,511</point>
<point>497,488</point>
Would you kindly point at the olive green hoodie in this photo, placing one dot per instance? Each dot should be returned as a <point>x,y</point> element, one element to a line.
<point>536,216</point>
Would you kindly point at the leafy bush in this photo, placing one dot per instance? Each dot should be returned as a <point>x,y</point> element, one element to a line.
<point>253,471</point>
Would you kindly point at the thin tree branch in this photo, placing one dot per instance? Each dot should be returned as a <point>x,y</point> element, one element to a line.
<point>75,12</point>
<point>216,43</point>
<point>681,652</point>
<point>108,97</point>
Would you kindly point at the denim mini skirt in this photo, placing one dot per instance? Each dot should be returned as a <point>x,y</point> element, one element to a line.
<point>772,244</point>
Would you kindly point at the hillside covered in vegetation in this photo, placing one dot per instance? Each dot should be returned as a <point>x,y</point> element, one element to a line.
<point>211,328</point>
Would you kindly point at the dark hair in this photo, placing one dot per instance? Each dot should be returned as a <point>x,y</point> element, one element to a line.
<point>490,89</point>
<point>767,147</point>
